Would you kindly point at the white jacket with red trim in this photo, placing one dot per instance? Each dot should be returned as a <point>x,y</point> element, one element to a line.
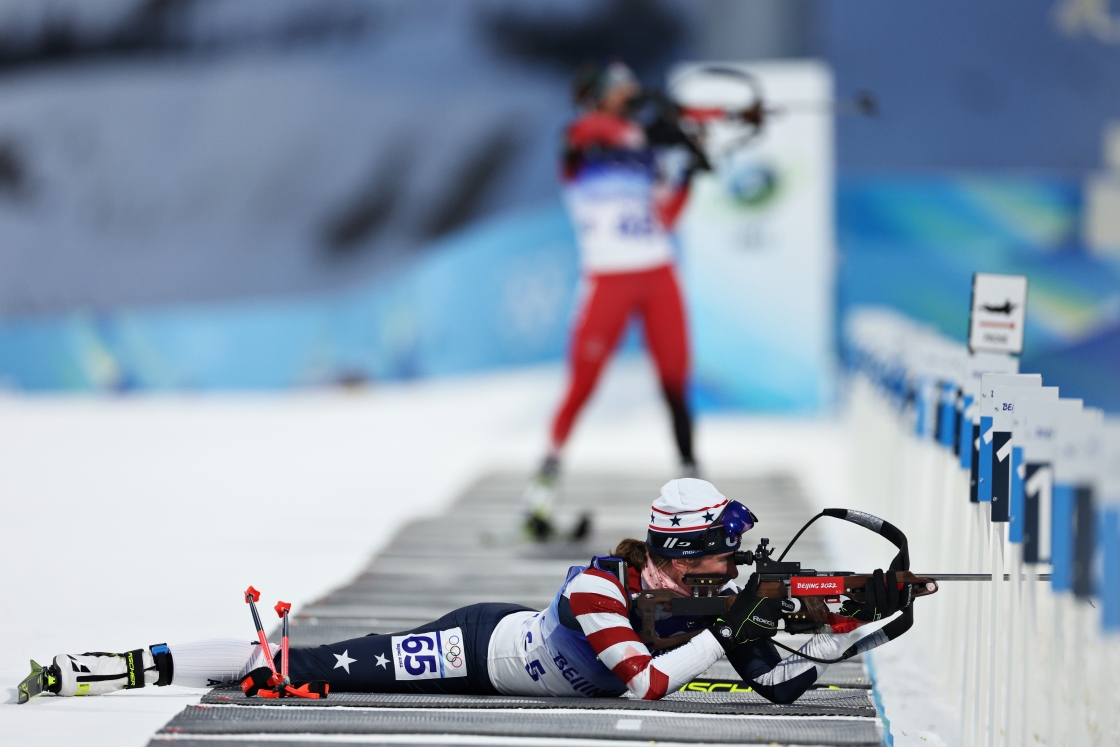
<point>584,645</point>
<point>621,207</point>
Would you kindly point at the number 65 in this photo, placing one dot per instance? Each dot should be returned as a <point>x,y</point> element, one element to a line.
<point>420,669</point>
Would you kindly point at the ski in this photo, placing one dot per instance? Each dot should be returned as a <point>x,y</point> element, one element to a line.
<point>39,681</point>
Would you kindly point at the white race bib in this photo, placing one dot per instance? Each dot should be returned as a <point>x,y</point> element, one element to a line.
<point>426,656</point>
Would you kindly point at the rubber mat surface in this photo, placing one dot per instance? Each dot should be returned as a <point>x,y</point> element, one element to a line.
<point>648,725</point>
<point>485,558</point>
<point>412,740</point>
<point>813,703</point>
<point>848,674</point>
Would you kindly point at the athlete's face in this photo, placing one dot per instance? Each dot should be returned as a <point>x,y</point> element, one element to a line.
<point>617,98</point>
<point>722,564</point>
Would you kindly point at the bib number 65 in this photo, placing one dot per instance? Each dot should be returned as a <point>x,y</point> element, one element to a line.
<point>414,664</point>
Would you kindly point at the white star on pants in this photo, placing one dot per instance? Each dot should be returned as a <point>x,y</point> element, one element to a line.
<point>344,661</point>
<point>382,661</point>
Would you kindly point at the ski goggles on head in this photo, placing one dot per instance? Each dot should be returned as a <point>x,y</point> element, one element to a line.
<point>726,532</point>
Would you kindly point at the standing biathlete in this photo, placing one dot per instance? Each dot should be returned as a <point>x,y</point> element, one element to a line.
<point>623,205</point>
<point>584,645</point>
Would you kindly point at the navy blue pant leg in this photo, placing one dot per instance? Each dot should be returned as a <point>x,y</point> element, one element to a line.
<point>757,659</point>
<point>366,664</point>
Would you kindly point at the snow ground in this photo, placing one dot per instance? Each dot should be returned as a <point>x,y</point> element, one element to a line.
<point>920,715</point>
<point>130,521</point>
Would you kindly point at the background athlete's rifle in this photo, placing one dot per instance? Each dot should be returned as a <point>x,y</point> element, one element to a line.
<point>804,592</point>
<point>732,97</point>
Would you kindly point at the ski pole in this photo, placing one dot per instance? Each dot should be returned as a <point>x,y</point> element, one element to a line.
<point>251,597</point>
<point>312,690</point>
<point>282,609</point>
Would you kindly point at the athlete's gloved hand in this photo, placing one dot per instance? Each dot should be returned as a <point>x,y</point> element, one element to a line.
<point>261,678</point>
<point>883,598</point>
<point>265,683</point>
<point>750,618</point>
<point>664,128</point>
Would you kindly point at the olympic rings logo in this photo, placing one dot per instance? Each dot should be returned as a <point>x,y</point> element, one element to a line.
<point>453,652</point>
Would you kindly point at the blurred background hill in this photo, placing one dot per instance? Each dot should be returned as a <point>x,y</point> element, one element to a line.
<point>275,193</point>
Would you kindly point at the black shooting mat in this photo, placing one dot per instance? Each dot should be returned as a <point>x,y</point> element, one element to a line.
<point>433,740</point>
<point>821,702</point>
<point>484,558</point>
<point>586,724</point>
<point>846,674</point>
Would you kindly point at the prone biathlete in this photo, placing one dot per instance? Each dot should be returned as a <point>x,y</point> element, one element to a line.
<point>623,201</point>
<point>585,644</point>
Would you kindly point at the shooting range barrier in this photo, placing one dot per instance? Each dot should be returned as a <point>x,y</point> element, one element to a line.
<point>484,558</point>
<point>995,473</point>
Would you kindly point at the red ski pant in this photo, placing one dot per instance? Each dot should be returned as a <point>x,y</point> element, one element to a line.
<point>612,299</point>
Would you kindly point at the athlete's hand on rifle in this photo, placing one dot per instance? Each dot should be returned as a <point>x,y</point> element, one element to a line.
<point>750,618</point>
<point>884,597</point>
<point>660,117</point>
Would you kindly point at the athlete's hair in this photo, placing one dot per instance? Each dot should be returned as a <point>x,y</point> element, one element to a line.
<point>585,85</point>
<point>635,552</point>
<point>593,80</point>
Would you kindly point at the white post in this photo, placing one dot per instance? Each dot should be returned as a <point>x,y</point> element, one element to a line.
<point>1057,635</point>
<point>995,537</point>
<point>1015,666</point>
<point>967,678</point>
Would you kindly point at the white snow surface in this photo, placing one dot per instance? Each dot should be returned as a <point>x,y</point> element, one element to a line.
<point>137,520</point>
<point>919,713</point>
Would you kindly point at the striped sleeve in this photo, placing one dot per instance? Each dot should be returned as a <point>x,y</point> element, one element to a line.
<point>600,605</point>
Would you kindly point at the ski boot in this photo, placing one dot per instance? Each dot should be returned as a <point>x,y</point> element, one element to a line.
<point>41,680</point>
<point>539,499</point>
<point>538,525</point>
<point>98,673</point>
<point>582,528</point>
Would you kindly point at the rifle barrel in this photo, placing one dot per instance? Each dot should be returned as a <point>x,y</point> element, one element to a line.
<point>975,576</point>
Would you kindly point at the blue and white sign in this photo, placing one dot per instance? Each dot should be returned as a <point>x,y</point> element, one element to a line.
<point>758,250</point>
<point>999,313</point>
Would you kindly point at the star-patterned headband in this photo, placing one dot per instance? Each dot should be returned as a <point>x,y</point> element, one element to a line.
<point>723,533</point>
<point>684,521</point>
